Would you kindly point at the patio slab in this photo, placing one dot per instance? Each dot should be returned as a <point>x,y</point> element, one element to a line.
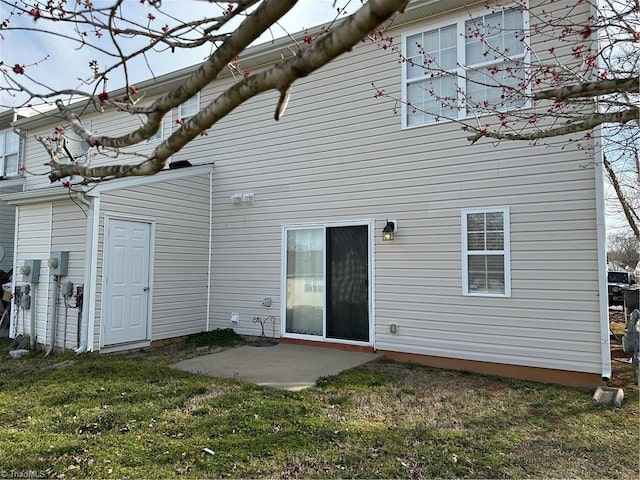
<point>283,366</point>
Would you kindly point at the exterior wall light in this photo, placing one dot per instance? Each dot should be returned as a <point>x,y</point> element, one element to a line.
<point>389,230</point>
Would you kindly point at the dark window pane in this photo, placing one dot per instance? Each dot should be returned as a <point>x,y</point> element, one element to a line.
<point>495,241</point>
<point>475,222</point>
<point>495,221</point>
<point>475,241</point>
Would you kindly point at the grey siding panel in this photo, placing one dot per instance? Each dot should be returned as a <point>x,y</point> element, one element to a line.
<point>34,238</point>
<point>180,211</point>
<point>7,232</point>
<point>69,226</point>
<point>42,229</point>
<point>7,226</point>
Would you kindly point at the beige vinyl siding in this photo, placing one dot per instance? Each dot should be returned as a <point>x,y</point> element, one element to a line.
<point>180,211</point>
<point>68,233</point>
<point>111,123</point>
<point>340,155</point>
<point>34,239</point>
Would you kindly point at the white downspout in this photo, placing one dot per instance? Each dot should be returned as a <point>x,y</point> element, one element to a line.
<point>601,226</point>
<point>84,325</point>
<point>13,326</point>
<point>210,249</point>
<point>601,239</point>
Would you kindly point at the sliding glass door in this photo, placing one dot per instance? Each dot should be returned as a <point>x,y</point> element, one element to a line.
<point>327,282</point>
<point>347,272</point>
<point>305,281</point>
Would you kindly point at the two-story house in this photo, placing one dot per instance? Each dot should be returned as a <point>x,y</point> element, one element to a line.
<point>353,226</point>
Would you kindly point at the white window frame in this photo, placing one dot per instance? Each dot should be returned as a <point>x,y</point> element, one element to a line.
<point>505,252</point>
<point>4,135</point>
<point>460,71</point>
<point>283,281</point>
<point>189,108</point>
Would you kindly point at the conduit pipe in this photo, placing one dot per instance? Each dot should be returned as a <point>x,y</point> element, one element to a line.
<point>32,331</point>
<point>54,318</point>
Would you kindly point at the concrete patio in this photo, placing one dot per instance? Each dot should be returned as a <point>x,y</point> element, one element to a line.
<point>283,366</point>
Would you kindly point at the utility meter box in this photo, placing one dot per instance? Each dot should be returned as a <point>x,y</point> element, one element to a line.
<point>30,271</point>
<point>58,263</point>
<point>67,289</point>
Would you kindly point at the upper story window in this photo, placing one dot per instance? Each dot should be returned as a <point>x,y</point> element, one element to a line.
<point>486,252</point>
<point>9,153</point>
<point>470,66</point>
<point>190,107</point>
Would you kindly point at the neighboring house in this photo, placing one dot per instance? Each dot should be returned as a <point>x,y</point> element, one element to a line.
<point>11,180</point>
<point>498,263</point>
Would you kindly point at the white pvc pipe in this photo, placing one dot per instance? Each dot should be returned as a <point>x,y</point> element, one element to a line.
<point>84,324</point>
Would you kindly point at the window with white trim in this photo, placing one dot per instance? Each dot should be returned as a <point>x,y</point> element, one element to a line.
<point>9,153</point>
<point>190,107</point>
<point>486,257</point>
<point>470,66</point>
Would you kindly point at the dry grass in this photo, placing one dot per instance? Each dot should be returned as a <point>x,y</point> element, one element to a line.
<point>134,416</point>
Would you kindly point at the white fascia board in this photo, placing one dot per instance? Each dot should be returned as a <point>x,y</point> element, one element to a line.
<point>11,183</point>
<point>162,176</point>
<point>35,196</point>
<point>56,193</point>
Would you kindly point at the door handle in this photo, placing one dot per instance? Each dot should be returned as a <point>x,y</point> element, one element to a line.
<point>146,289</point>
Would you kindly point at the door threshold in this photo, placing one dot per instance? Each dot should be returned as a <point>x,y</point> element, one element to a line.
<point>121,347</point>
<point>324,344</point>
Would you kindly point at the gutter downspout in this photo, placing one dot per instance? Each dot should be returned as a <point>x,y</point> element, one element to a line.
<point>210,257</point>
<point>13,326</point>
<point>84,324</point>
<point>601,225</point>
<point>601,239</point>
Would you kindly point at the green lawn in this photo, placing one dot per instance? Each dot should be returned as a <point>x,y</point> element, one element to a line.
<point>133,416</point>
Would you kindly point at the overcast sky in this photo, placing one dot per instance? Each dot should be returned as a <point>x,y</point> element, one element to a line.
<point>66,63</point>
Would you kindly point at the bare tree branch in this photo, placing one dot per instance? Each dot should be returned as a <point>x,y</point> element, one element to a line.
<point>278,77</point>
<point>590,89</point>
<point>587,122</point>
<point>250,29</point>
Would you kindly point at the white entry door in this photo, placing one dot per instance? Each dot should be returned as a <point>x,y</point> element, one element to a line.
<point>126,270</point>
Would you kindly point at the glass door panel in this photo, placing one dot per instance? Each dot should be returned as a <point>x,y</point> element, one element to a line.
<point>305,281</point>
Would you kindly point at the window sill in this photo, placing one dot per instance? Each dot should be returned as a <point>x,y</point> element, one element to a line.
<point>490,295</point>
